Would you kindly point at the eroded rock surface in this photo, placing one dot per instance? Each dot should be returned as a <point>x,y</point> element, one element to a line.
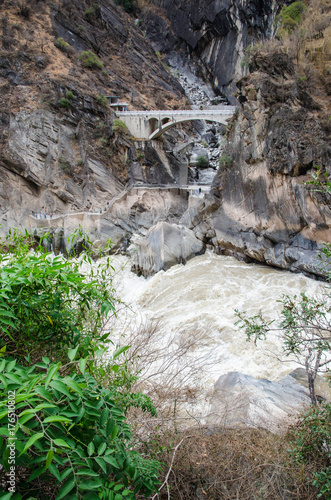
<point>261,208</point>
<point>241,400</point>
<point>212,35</point>
<point>164,246</point>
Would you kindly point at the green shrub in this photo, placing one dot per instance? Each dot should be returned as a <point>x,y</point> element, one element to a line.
<point>119,126</point>
<point>50,304</point>
<point>69,95</point>
<point>225,161</point>
<point>291,16</point>
<point>126,4</point>
<point>102,100</point>
<point>61,44</point>
<point>64,103</point>
<point>92,12</point>
<point>62,427</point>
<point>70,434</point>
<point>202,162</point>
<point>312,446</point>
<point>90,60</point>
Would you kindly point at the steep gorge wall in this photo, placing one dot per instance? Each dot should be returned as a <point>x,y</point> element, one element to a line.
<point>210,35</point>
<point>58,149</point>
<point>260,208</point>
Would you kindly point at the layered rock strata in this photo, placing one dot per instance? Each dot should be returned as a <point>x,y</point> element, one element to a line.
<point>261,208</point>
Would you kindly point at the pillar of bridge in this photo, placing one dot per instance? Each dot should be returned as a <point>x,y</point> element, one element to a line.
<point>183,173</point>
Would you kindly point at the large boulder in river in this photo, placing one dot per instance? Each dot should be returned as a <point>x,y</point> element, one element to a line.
<point>241,400</point>
<point>163,246</point>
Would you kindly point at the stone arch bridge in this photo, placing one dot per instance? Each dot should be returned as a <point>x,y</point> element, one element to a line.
<point>152,124</point>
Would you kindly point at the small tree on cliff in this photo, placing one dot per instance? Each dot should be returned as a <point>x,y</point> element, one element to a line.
<point>305,329</point>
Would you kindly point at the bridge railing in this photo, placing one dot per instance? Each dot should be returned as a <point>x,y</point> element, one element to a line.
<point>227,110</point>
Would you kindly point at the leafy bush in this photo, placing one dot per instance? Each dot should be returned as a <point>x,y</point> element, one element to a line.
<point>102,100</point>
<point>225,161</point>
<point>63,103</point>
<point>312,446</point>
<point>119,126</point>
<point>48,306</point>
<point>69,95</point>
<point>90,60</point>
<point>61,44</point>
<point>202,162</point>
<point>69,434</point>
<point>60,428</point>
<point>126,4</point>
<point>291,16</point>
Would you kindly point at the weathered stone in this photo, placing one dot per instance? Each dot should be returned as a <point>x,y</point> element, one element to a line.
<point>163,246</point>
<point>242,400</point>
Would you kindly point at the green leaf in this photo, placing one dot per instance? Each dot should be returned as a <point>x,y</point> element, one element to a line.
<point>90,485</point>
<point>56,418</point>
<point>6,496</point>
<point>66,488</point>
<point>86,472</point>
<point>49,458</point>
<point>31,441</point>
<point>111,461</point>
<point>61,443</point>
<point>102,464</point>
<point>90,448</point>
<point>114,431</point>
<point>118,487</point>
<point>120,350</point>
<point>102,448</point>
<point>46,360</point>
<point>82,365</point>
<point>59,386</point>
<point>126,492</point>
<point>73,385</point>
<point>10,366</point>
<point>35,473</point>
<point>53,469</point>
<point>52,370</point>
<point>104,416</point>
<point>72,353</point>
<point>43,393</point>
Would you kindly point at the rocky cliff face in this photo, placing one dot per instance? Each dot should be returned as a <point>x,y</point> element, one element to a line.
<point>210,35</point>
<point>261,208</point>
<point>58,149</point>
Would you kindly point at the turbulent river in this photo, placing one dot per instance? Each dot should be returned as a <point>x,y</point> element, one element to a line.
<point>181,323</point>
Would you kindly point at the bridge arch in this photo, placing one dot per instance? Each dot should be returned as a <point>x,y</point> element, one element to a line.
<point>166,125</point>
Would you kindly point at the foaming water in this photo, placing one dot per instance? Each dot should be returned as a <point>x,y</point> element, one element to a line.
<point>196,304</point>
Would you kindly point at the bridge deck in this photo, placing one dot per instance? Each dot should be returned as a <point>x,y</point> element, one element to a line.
<point>226,110</point>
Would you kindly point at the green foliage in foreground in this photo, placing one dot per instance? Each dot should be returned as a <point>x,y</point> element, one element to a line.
<point>69,433</point>
<point>313,445</point>
<point>62,409</point>
<point>48,305</point>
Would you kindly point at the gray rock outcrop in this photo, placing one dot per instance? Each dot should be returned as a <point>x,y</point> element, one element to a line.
<point>241,400</point>
<point>163,246</point>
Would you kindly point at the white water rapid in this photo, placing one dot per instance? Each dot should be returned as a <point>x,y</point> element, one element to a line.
<point>197,301</point>
<point>181,327</point>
